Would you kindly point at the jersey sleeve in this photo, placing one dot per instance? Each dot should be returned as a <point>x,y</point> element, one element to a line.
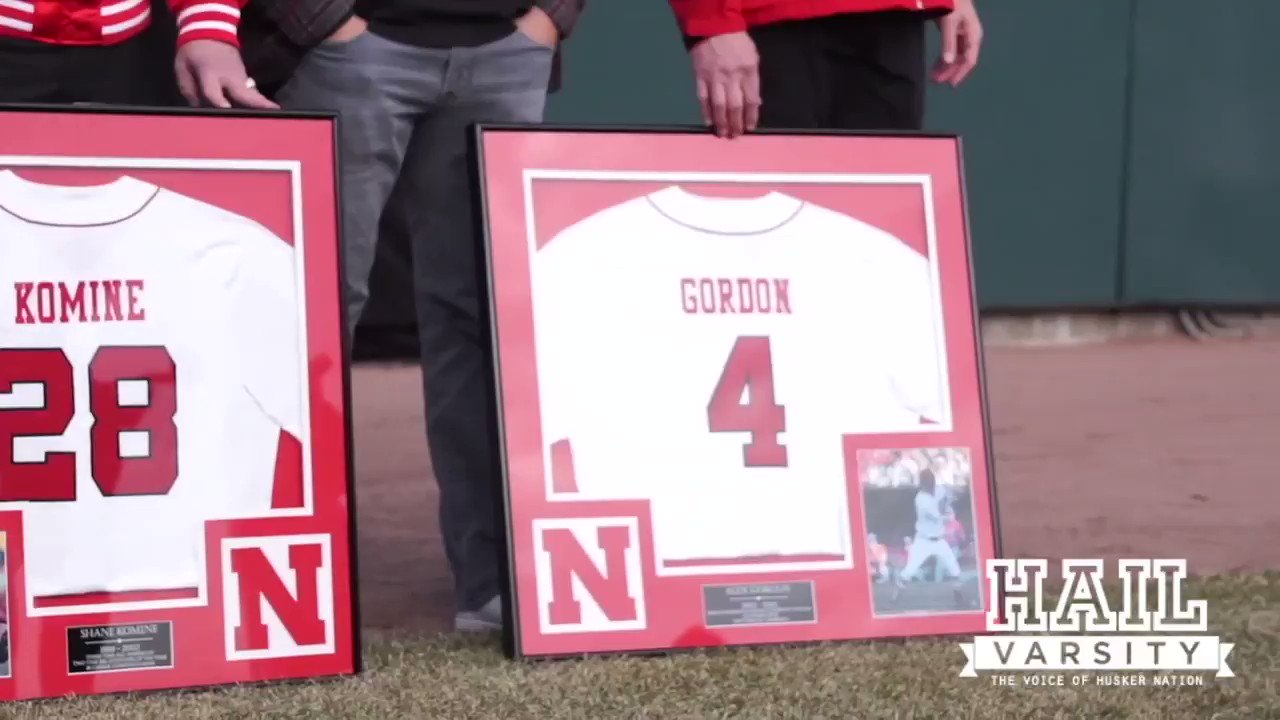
<point>918,367</point>
<point>705,18</point>
<point>208,20</point>
<point>569,335</point>
<point>265,292</point>
<point>555,284</point>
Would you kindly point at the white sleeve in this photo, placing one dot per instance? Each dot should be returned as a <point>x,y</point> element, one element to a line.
<point>265,290</point>
<point>558,294</point>
<point>918,370</point>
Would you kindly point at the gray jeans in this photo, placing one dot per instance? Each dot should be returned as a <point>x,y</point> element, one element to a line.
<point>403,114</point>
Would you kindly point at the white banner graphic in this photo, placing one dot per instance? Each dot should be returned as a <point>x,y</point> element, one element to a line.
<point>1085,653</point>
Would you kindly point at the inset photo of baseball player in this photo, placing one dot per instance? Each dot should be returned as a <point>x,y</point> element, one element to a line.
<point>921,552</point>
<point>5,666</point>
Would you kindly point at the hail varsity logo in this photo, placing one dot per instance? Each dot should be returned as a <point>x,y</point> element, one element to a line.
<point>1080,639</point>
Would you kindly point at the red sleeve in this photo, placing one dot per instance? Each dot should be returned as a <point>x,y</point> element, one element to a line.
<point>704,18</point>
<point>208,20</point>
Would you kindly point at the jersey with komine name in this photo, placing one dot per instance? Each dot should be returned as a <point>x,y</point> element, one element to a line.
<point>709,355</point>
<point>149,360</point>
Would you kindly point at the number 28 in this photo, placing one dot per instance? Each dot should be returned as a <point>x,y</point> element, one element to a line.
<point>54,478</point>
<point>749,368</point>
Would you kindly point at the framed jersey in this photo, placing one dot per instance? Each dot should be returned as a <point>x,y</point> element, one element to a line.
<point>739,387</point>
<point>175,479</point>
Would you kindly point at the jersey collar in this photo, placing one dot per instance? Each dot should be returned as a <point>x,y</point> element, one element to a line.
<point>74,206</point>
<point>726,215</point>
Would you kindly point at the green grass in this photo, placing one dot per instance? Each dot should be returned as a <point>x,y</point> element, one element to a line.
<point>456,678</point>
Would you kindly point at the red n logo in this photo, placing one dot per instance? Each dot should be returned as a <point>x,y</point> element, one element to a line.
<point>278,596</point>
<point>589,575</point>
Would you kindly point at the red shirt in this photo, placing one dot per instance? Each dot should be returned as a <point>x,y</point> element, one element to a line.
<point>108,22</point>
<point>704,18</point>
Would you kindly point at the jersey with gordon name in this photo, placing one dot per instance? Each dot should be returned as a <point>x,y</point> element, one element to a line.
<point>639,309</point>
<point>149,345</point>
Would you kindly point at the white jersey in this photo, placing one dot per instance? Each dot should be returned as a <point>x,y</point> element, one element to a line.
<point>658,321</point>
<point>149,357</point>
<point>929,522</point>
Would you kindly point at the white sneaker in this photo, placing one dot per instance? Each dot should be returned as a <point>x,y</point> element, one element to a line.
<point>488,618</point>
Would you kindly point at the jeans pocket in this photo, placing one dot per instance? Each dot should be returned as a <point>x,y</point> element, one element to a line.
<point>519,38</point>
<point>344,48</point>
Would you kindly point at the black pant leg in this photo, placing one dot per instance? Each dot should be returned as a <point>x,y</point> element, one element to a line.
<point>879,67</point>
<point>121,74</point>
<point>29,71</point>
<point>795,79</point>
<point>162,41</point>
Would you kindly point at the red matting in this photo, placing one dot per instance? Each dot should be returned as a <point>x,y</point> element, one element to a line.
<point>671,612</point>
<point>201,648</point>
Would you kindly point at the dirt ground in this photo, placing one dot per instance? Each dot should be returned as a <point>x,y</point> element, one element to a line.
<point>1141,449</point>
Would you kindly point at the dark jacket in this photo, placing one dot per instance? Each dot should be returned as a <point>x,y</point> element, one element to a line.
<point>275,34</point>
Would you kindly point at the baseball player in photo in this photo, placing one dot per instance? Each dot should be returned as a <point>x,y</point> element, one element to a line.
<point>932,505</point>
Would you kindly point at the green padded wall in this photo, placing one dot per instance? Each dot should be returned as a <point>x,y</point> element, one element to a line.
<point>1043,127</point>
<point>625,63</point>
<point>1204,185</point>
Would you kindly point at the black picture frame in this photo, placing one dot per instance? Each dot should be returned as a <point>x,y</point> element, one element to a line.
<point>351,587</point>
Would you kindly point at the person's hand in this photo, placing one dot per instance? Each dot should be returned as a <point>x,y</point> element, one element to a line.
<point>961,43</point>
<point>211,73</point>
<point>354,27</point>
<point>727,70</point>
<point>538,27</point>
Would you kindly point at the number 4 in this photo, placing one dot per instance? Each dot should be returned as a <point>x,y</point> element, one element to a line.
<point>750,369</point>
